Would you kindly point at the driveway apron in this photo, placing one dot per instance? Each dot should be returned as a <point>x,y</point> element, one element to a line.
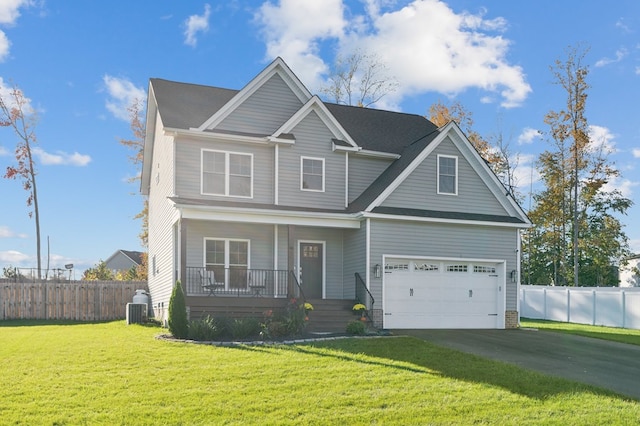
<point>609,365</point>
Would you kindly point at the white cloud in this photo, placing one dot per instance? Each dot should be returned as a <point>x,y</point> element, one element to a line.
<point>624,27</point>
<point>122,95</point>
<point>6,232</point>
<point>620,54</point>
<point>638,70</point>
<point>12,257</point>
<point>528,135</point>
<point>601,138</point>
<point>636,152</point>
<point>625,186</point>
<point>9,14</point>
<point>425,45</point>
<point>3,151</point>
<point>196,24</point>
<point>61,158</point>
<point>298,41</point>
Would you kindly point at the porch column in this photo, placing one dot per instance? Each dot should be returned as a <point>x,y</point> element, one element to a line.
<point>291,242</point>
<point>183,252</point>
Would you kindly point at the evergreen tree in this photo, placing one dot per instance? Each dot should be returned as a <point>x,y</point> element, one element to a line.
<point>178,323</point>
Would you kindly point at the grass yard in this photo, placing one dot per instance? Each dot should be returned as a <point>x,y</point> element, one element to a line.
<point>110,373</point>
<point>622,335</point>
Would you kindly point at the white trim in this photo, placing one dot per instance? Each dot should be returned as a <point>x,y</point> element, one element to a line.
<point>443,220</point>
<point>378,154</point>
<point>275,246</point>
<point>302,188</point>
<point>316,105</point>
<point>218,136</point>
<point>229,214</point>
<point>456,175</point>
<point>324,263</point>
<point>227,161</point>
<point>346,180</point>
<point>227,264</point>
<point>276,192</point>
<point>518,268</point>
<point>278,66</point>
<point>368,252</point>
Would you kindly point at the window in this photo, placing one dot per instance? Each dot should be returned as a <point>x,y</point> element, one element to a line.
<point>229,261</point>
<point>457,268</point>
<point>447,175</point>
<point>227,173</point>
<point>312,174</point>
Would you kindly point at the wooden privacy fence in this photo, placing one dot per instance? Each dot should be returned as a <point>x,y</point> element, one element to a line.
<point>609,306</point>
<point>71,300</point>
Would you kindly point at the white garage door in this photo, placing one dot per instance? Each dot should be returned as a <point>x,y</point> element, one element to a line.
<point>443,294</point>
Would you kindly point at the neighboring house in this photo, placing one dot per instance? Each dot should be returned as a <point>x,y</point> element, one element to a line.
<point>123,260</point>
<point>257,193</point>
<point>629,275</point>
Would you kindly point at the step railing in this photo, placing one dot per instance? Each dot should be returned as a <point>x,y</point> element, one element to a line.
<point>364,296</point>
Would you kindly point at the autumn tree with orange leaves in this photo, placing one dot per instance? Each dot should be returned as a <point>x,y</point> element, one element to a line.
<point>16,113</point>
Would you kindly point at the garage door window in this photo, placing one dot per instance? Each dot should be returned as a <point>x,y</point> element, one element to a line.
<point>426,267</point>
<point>480,269</point>
<point>457,268</point>
<point>396,267</point>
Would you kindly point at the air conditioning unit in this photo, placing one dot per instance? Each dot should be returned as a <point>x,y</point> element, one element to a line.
<point>136,313</point>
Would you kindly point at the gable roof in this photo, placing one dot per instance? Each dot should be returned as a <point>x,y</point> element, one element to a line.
<point>379,130</point>
<point>134,256</point>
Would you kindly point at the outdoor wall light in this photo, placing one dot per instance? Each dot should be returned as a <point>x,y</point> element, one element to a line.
<point>377,270</point>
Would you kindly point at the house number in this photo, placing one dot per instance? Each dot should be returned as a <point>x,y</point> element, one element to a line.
<point>410,292</point>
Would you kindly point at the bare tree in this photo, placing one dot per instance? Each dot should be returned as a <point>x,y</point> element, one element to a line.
<point>359,79</point>
<point>16,112</point>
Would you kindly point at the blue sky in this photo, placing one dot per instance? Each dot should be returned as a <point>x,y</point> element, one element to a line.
<point>82,63</point>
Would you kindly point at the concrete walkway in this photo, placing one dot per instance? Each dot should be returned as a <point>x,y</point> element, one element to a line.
<point>609,365</point>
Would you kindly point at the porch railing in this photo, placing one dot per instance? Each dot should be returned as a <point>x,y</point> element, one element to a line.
<point>363,295</point>
<point>237,282</point>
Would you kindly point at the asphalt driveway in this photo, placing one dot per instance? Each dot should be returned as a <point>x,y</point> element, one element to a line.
<point>609,365</point>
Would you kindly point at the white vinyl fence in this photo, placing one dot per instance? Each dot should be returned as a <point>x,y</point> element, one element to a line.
<point>609,306</point>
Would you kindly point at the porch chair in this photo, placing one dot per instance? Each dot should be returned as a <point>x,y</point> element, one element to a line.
<point>210,283</point>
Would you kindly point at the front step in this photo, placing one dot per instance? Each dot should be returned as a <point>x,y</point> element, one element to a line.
<point>330,315</point>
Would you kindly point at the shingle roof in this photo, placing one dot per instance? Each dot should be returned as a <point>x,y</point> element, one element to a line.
<point>378,130</point>
<point>185,105</point>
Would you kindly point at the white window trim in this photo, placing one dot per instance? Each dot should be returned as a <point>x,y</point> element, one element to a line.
<point>302,173</point>
<point>226,173</point>
<point>455,157</point>
<point>226,250</point>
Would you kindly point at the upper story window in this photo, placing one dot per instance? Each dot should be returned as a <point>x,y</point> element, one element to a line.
<point>447,175</point>
<point>312,174</point>
<point>227,173</point>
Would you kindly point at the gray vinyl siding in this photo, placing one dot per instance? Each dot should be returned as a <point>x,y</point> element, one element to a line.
<point>419,190</point>
<point>444,240</point>
<point>313,139</point>
<point>260,237</point>
<point>363,171</point>
<point>265,110</point>
<point>188,161</point>
<point>161,220</point>
<point>355,258</point>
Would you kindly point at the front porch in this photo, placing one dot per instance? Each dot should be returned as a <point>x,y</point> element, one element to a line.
<point>242,293</point>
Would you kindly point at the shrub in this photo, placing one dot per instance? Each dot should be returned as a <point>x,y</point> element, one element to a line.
<point>241,328</point>
<point>178,323</point>
<point>356,328</point>
<point>206,329</point>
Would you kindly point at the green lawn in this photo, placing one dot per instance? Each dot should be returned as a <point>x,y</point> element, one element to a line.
<point>621,335</point>
<point>110,373</point>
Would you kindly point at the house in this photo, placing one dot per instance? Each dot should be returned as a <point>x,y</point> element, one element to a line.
<point>267,192</point>
<point>628,272</point>
<point>123,260</point>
